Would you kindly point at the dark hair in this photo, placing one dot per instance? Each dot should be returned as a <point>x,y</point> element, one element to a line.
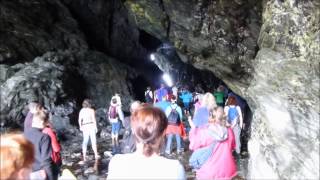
<point>232,100</point>
<point>148,124</point>
<point>86,103</point>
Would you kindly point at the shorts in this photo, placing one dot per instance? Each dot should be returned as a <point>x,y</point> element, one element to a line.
<point>115,128</point>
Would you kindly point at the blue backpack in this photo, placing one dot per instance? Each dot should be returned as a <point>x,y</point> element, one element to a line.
<point>200,156</point>
<point>232,114</point>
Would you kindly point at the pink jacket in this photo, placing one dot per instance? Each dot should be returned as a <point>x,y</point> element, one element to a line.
<point>221,164</point>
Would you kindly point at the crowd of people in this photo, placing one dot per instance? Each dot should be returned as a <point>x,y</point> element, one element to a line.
<point>211,121</point>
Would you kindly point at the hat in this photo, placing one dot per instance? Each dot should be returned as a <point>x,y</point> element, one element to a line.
<point>201,117</point>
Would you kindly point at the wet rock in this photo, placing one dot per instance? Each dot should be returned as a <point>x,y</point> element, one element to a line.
<point>89,171</point>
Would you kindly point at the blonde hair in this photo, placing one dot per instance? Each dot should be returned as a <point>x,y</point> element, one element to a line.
<point>16,153</point>
<point>218,118</point>
<point>209,101</point>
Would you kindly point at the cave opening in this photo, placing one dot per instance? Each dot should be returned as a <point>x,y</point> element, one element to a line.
<point>139,85</point>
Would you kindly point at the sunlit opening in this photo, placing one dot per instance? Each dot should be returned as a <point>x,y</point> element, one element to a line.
<point>152,57</point>
<point>167,79</point>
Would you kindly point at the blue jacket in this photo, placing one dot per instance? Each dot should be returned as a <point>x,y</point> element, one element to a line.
<point>186,97</point>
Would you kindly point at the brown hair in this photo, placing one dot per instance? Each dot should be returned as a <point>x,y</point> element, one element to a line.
<point>231,101</point>
<point>86,103</point>
<point>16,152</point>
<point>148,124</point>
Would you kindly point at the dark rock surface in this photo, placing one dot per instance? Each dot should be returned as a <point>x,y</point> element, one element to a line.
<point>31,28</point>
<point>61,81</point>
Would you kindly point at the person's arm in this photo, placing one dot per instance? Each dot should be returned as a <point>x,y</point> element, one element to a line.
<point>46,160</point>
<point>80,119</point>
<point>120,112</point>
<point>181,172</point>
<point>93,115</point>
<point>240,117</point>
<point>191,122</point>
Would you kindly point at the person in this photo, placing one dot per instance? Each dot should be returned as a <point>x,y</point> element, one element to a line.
<point>175,90</point>
<point>201,116</point>
<point>16,156</point>
<point>219,96</point>
<point>148,94</point>
<point>234,120</point>
<point>56,148</point>
<point>173,128</point>
<point>148,126</point>
<point>220,164</point>
<point>186,98</point>
<point>117,96</point>
<point>115,115</point>
<point>88,126</point>
<point>43,167</point>
<point>162,104</point>
<point>161,93</point>
<point>33,108</point>
<point>128,145</point>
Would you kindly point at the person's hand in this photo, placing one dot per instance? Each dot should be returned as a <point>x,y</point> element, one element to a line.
<point>43,174</point>
<point>81,128</point>
<point>96,130</point>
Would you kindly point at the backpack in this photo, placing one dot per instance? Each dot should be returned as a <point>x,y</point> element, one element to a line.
<point>174,118</point>
<point>201,155</point>
<point>232,114</point>
<point>113,112</point>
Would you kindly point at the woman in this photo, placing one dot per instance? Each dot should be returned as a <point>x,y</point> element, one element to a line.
<point>148,125</point>
<point>115,115</point>
<point>88,126</point>
<point>16,156</point>
<point>234,120</point>
<point>220,164</point>
<point>202,114</point>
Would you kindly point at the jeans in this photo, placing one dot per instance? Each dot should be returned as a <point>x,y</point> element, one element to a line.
<point>169,142</point>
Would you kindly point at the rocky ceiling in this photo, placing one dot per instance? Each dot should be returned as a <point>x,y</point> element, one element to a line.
<point>267,51</point>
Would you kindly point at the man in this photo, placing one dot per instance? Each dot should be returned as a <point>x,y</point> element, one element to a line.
<point>43,167</point>
<point>162,92</point>
<point>34,107</point>
<point>148,95</point>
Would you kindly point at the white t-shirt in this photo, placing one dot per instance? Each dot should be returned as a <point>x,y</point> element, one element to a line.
<point>86,115</point>
<point>137,166</point>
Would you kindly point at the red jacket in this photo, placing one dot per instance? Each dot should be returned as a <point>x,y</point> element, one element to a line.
<point>55,145</point>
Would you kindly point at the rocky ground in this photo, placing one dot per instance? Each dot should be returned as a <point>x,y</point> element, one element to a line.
<point>98,169</point>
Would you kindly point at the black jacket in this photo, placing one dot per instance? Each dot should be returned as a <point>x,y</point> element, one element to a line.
<point>43,151</point>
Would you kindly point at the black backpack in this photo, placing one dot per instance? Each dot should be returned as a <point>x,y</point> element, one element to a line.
<point>174,118</point>
<point>148,98</point>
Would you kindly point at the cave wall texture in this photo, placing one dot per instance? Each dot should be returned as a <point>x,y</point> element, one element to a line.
<point>267,51</point>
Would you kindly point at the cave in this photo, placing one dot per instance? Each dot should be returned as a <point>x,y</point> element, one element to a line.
<point>265,51</point>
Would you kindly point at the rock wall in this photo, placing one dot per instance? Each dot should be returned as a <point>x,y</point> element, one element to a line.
<point>60,81</point>
<point>285,93</point>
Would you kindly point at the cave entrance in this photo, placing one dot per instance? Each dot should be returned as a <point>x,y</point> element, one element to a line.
<point>139,85</point>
